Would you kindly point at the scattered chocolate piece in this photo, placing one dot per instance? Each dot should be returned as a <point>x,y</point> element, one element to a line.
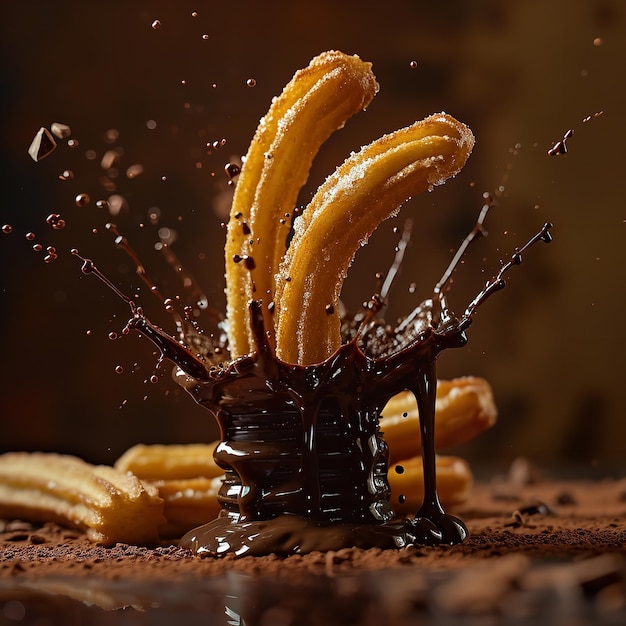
<point>565,498</point>
<point>43,144</point>
<point>540,508</point>
<point>519,516</point>
<point>60,130</point>
<point>518,520</point>
<point>560,147</point>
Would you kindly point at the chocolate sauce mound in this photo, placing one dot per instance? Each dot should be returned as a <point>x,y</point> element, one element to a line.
<point>305,462</point>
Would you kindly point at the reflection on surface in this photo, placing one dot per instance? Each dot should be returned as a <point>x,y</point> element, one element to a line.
<point>512,589</point>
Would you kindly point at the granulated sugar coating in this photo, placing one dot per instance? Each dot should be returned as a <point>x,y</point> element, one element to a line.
<point>535,551</point>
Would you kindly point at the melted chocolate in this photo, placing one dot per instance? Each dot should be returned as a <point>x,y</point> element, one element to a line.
<point>305,462</point>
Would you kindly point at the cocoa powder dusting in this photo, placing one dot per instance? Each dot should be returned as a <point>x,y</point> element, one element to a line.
<point>571,558</point>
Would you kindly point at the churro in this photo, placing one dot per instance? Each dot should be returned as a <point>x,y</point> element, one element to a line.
<point>464,408</point>
<point>170,462</point>
<point>368,188</point>
<point>189,502</point>
<point>186,478</point>
<point>317,101</point>
<point>109,505</point>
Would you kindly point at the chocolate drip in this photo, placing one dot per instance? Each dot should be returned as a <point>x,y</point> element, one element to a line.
<point>431,525</point>
<point>170,349</point>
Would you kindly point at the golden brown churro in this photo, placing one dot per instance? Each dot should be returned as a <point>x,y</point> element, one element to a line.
<point>464,408</point>
<point>186,478</point>
<point>317,101</point>
<point>170,462</point>
<point>368,188</point>
<point>189,502</point>
<point>109,505</point>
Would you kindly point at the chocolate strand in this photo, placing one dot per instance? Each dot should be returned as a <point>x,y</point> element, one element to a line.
<point>497,283</point>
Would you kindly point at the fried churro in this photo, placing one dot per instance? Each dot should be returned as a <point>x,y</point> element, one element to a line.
<point>170,462</point>
<point>464,408</point>
<point>109,505</point>
<point>317,101</point>
<point>368,188</point>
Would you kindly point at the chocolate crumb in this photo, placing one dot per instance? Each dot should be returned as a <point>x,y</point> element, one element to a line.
<point>540,508</point>
<point>565,498</point>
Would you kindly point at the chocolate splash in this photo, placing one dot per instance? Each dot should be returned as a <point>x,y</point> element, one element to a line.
<point>305,462</point>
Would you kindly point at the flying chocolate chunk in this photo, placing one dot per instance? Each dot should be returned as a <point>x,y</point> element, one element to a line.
<point>43,144</point>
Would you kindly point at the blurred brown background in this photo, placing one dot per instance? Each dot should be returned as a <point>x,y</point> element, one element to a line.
<point>519,74</point>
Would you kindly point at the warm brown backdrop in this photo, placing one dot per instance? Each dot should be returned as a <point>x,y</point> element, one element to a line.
<point>518,73</point>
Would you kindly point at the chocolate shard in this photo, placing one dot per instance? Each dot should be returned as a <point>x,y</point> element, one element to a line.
<point>61,131</point>
<point>43,144</point>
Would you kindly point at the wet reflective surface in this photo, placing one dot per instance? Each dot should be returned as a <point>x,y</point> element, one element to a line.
<point>531,594</point>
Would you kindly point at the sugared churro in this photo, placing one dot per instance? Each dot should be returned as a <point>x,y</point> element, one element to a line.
<point>317,101</point>
<point>170,462</point>
<point>189,502</point>
<point>109,505</point>
<point>368,188</point>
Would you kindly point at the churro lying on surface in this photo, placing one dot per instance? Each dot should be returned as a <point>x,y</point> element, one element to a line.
<point>464,408</point>
<point>188,502</point>
<point>109,505</point>
<point>169,462</point>
<point>186,478</point>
